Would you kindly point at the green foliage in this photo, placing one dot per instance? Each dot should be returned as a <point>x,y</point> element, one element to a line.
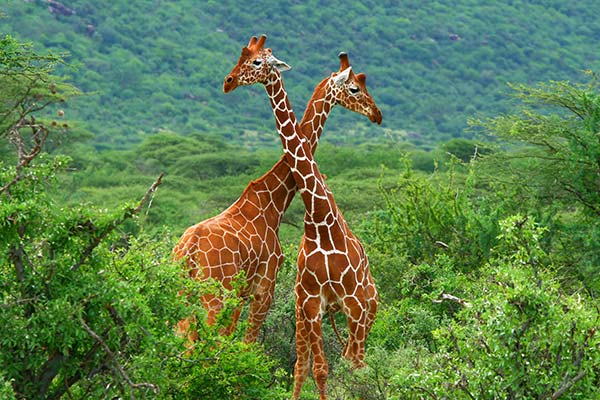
<point>522,337</point>
<point>6,389</point>
<point>515,334</point>
<point>557,163</point>
<point>563,146</point>
<point>464,149</point>
<point>27,86</point>
<point>430,67</point>
<point>428,217</point>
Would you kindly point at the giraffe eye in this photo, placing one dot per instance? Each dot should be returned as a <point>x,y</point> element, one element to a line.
<point>257,63</point>
<point>353,89</point>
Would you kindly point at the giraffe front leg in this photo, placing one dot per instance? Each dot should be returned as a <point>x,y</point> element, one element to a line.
<point>259,307</point>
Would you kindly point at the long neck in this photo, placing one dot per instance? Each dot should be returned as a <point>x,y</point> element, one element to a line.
<point>272,193</point>
<point>277,187</point>
<point>297,150</point>
<point>315,115</point>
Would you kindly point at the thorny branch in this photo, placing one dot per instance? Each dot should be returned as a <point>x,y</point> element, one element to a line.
<point>128,214</point>
<point>25,156</point>
<point>119,367</point>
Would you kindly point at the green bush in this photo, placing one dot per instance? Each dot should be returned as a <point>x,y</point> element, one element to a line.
<point>521,336</point>
<point>514,335</point>
<point>430,216</point>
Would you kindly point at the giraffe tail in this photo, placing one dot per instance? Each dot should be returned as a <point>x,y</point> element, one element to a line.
<point>337,333</point>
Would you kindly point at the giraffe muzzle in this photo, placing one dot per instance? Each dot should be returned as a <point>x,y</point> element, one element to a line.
<point>376,116</point>
<point>229,84</point>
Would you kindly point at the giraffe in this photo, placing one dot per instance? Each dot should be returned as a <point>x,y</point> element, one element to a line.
<point>244,237</point>
<point>333,270</point>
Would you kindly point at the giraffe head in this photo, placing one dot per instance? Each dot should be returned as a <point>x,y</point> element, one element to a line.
<point>350,91</point>
<point>254,66</point>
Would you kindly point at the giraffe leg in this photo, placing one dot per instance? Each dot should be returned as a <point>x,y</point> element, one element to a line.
<point>355,347</point>
<point>358,318</point>
<point>311,310</point>
<point>320,367</point>
<point>213,305</point>
<point>228,330</point>
<point>184,328</point>
<point>371,312</point>
<point>302,356</point>
<point>259,307</point>
<point>263,295</point>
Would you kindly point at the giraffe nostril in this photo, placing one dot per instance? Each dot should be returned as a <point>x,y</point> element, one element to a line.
<point>229,79</point>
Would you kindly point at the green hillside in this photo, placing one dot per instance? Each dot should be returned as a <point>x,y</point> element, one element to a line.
<point>154,65</point>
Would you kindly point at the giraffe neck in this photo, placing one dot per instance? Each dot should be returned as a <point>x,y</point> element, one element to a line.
<point>277,187</point>
<point>272,193</point>
<point>316,113</point>
<point>298,153</point>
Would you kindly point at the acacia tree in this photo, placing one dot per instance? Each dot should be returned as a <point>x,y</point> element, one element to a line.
<point>555,159</point>
<point>561,131</point>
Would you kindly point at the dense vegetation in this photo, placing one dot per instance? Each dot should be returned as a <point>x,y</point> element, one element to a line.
<point>485,253</point>
<point>153,65</point>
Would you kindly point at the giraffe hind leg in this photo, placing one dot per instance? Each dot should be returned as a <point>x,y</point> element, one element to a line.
<point>303,353</point>
<point>358,326</point>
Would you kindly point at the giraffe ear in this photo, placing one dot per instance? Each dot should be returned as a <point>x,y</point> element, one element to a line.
<point>280,65</point>
<point>342,77</point>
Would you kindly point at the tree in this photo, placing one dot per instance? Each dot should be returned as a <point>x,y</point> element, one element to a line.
<point>61,315</point>
<point>554,157</point>
<point>560,138</point>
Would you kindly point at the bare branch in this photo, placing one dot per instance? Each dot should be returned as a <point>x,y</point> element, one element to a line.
<point>149,192</point>
<point>40,133</point>
<point>567,385</point>
<point>118,366</point>
<point>426,391</point>
<point>128,213</point>
<point>450,297</point>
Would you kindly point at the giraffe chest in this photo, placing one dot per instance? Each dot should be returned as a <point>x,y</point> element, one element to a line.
<point>333,262</point>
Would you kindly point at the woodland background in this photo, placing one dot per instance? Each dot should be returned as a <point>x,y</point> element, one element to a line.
<point>477,199</point>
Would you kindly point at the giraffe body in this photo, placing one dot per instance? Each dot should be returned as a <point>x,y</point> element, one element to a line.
<point>333,270</point>
<point>244,237</point>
